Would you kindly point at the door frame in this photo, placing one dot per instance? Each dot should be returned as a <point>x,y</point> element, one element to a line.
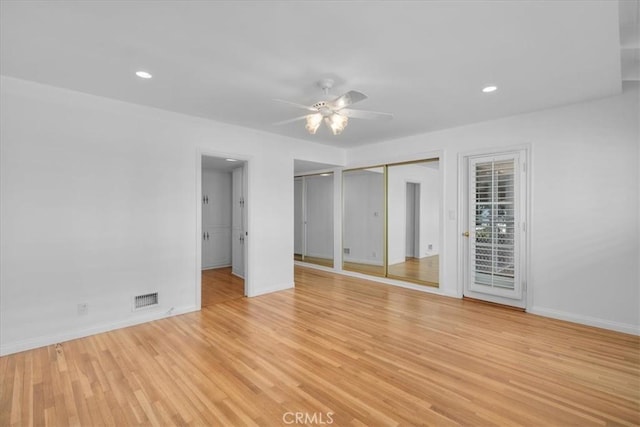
<point>200,153</point>
<point>525,150</point>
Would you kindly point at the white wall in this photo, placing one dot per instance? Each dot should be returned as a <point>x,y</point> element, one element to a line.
<point>99,201</point>
<point>584,230</point>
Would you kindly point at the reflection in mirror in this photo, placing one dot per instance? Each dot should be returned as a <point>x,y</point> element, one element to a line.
<point>297,218</point>
<point>363,221</point>
<point>413,230</point>
<point>313,219</point>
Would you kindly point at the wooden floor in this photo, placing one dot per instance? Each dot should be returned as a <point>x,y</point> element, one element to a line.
<point>219,285</point>
<point>418,270</point>
<point>424,270</point>
<point>337,348</point>
<point>371,269</point>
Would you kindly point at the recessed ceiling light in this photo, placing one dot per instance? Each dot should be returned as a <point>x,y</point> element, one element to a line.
<point>231,160</point>
<point>143,74</point>
<point>489,89</point>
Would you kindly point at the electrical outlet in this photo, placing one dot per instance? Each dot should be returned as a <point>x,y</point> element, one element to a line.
<point>83,309</point>
<point>373,254</point>
<point>430,246</point>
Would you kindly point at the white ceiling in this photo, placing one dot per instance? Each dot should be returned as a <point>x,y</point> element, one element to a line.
<point>426,62</point>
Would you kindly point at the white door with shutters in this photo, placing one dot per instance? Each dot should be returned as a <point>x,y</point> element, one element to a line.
<point>494,239</point>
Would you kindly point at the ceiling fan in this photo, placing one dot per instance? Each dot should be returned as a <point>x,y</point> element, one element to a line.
<point>333,112</point>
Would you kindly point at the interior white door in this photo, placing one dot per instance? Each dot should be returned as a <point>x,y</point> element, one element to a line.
<point>238,234</point>
<point>216,219</point>
<point>495,228</point>
<point>207,247</point>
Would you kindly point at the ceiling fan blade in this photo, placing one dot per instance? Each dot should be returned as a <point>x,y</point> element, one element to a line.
<point>369,115</point>
<point>295,104</point>
<point>284,122</point>
<point>347,99</point>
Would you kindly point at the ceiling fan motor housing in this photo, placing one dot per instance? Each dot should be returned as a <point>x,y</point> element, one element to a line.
<point>326,84</point>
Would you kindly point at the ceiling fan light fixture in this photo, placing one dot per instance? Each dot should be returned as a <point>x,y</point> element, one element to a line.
<point>337,123</point>
<point>333,112</point>
<point>313,122</point>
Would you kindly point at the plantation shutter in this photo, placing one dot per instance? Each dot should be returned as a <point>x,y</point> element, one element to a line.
<point>494,225</point>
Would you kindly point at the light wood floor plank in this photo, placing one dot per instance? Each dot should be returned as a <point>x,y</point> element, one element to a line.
<point>420,270</point>
<point>219,285</point>
<point>367,353</point>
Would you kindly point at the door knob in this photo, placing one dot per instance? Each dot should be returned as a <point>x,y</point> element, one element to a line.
<point>465,234</point>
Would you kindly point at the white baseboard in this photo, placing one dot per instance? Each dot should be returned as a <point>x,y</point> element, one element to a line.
<point>429,254</point>
<point>324,256</point>
<point>586,320</point>
<point>316,266</point>
<point>383,280</point>
<point>400,284</point>
<point>272,289</point>
<point>363,261</point>
<point>43,341</point>
<point>215,266</point>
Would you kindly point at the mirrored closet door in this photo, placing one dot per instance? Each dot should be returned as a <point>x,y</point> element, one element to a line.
<point>363,192</point>
<point>391,221</point>
<point>313,219</point>
<point>413,222</point>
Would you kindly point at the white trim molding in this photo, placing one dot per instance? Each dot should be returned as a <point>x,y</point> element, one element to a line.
<point>585,320</point>
<point>276,288</point>
<point>46,340</point>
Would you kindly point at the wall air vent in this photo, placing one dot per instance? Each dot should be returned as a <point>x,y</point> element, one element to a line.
<point>145,301</point>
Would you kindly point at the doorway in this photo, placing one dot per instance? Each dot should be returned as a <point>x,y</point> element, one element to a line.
<point>223,233</point>
<point>413,220</point>
<point>494,237</point>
